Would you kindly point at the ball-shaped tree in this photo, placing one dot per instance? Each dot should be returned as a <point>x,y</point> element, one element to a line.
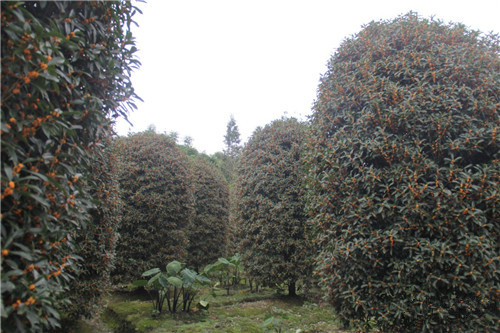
<point>270,210</point>
<point>405,177</point>
<point>157,195</point>
<point>209,225</point>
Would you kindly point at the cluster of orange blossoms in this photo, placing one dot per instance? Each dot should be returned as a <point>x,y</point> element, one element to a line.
<point>9,190</point>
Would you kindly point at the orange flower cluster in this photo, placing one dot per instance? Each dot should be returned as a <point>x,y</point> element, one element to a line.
<point>17,168</point>
<point>9,190</point>
<point>27,54</point>
<point>29,269</point>
<point>30,301</point>
<point>16,304</point>
<point>31,131</point>
<point>89,20</point>
<point>33,74</point>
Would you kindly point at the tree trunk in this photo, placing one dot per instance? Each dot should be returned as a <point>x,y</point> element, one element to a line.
<point>291,289</point>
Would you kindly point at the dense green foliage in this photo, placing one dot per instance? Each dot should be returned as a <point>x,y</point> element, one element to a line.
<point>65,73</point>
<point>405,177</point>
<point>209,225</point>
<point>270,210</point>
<point>98,242</point>
<point>157,195</point>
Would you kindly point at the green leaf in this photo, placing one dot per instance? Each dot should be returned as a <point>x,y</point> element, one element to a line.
<point>223,261</point>
<point>57,61</point>
<point>175,281</point>
<point>208,268</point>
<point>140,283</point>
<point>204,304</point>
<point>203,279</point>
<point>163,282</point>
<point>24,255</point>
<point>173,268</point>
<point>49,77</point>
<point>154,279</point>
<point>151,272</point>
<point>19,15</point>
<point>188,276</point>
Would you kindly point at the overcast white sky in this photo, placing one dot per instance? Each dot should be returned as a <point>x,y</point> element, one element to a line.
<point>256,59</point>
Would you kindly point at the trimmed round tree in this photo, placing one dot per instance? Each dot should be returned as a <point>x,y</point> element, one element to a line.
<point>157,196</point>
<point>209,225</point>
<point>270,209</point>
<point>65,76</point>
<point>98,243</point>
<point>405,176</point>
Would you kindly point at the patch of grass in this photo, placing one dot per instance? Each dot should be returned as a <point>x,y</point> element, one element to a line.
<point>238,296</point>
<point>110,318</point>
<point>116,322</point>
<point>241,311</point>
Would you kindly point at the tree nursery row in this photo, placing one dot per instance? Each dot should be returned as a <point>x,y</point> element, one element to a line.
<point>388,197</point>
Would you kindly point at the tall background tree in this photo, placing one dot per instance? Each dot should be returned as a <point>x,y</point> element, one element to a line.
<point>157,194</point>
<point>65,75</point>
<point>232,149</point>
<point>209,225</point>
<point>270,210</point>
<point>230,159</point>
<point>405,172</point>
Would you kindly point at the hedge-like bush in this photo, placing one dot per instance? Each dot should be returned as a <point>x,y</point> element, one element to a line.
<point>405,177</point>
<point>97,244</point>
<point>209,225</point>
<point>157,194</point>
<point>270,209</point>
<point>65,72</point>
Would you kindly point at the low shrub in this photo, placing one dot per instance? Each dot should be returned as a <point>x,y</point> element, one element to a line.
<point>172,285</point>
